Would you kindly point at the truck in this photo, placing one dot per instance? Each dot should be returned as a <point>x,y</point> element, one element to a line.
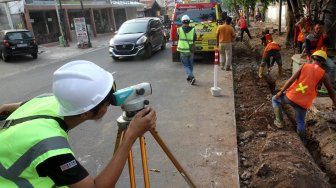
<point>205,18</point>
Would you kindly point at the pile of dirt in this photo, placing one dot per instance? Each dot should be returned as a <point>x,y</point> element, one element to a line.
<point>270,157</point>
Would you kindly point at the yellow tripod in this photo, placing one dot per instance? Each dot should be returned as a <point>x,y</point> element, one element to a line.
<point>123,122</point>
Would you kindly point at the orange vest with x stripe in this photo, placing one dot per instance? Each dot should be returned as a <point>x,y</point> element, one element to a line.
<point>303,91</point>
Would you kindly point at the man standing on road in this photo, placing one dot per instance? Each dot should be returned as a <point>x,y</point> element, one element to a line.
<point>242,23</point>
<point>225,36</point>
<point>186,37</point>
<point>36,152</point>
<point>300,91</point>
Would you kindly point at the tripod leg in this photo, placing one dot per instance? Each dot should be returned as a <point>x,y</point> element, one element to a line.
<point>172,158</point>
<point>144,161</point>
<point>131,169</point>
<point>120,134</point>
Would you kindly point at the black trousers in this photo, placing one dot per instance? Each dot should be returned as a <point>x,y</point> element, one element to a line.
<point>242,30</point>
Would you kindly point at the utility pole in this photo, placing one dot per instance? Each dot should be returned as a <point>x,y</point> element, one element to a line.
<point>87,32</point>
<point>9,17</point>
<point>280,10</point>
<point>59,20</point>
<point>62,19</point>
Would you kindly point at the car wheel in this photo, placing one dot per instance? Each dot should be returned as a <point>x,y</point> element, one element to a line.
<point>148,51</point>
<point>4,57</point>
<point>163,43</point>
<point>34,55</point>
<point>115,58</point>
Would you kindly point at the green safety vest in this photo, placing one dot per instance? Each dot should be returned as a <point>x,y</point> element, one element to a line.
<point>185,39</point>
<point>25,145</point>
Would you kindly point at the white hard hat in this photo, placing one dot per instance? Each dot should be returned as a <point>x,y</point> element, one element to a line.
<point>79,86</point>
<point>185,18</point>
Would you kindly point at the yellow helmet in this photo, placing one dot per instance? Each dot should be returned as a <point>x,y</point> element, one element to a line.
<point>320,53</point>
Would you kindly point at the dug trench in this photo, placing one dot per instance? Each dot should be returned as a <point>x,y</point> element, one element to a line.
<point>272,157</point>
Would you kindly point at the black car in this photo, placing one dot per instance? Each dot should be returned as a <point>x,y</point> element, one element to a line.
<point>17,42</point>
<point>138,37</point>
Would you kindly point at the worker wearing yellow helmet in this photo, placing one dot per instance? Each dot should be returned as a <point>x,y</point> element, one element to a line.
<point>35,151</point>
<point>301,89</point>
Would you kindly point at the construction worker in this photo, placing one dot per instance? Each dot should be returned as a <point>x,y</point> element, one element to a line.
<point>225,35</point>
<point>266,38</point>
<point>36,152</point>
<point>299,38</point>
<point>300,91</point>
<point>272,50</point>
<point>186,37</point>
<point>242,23</point>
<point>317,40</point>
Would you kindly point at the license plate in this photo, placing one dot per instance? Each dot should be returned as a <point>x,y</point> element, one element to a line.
<point>22,45</point>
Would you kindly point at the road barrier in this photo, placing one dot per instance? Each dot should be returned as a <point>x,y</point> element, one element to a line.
<point>215,90</point>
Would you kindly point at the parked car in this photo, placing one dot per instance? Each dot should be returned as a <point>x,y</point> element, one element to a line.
<point>17,42</point>
<point>138,37</point>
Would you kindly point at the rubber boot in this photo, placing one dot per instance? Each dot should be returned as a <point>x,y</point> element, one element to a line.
<point>302,135</point>
<point>280,71</point>
<point>261,70</point>
<point>278,122</point>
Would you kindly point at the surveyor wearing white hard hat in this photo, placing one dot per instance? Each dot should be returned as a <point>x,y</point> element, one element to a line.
<point>81,91</point>
<point>186,46</point>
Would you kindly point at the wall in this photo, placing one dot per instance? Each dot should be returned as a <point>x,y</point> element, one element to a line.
<point>131,12</point>
<point>272,14</point>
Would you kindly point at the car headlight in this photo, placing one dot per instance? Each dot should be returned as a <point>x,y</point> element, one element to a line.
<point>141,40</point>
<point>112,42</point>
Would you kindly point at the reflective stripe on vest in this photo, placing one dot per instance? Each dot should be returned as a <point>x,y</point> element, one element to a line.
<point>303,91</point>
<point>14,171</point>
<point>184,39</point>
<point>27,144</point>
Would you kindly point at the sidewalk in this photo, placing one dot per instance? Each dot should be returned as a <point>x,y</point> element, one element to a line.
<point>65,52</point>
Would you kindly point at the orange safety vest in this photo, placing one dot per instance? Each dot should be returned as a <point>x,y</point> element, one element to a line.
<point>319,46</point>
<point>271,46</point>
<point>303,91</point>
<point>242,23</point>
<point>301,36</point>
<point>268,38</point>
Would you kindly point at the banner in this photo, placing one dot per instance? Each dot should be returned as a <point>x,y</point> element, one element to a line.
<point>80,28</point>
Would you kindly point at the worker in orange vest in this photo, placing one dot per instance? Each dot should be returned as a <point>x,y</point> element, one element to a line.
<point>300,91</point>
<point>299,38</point>
<point>272,50</point>
<point>242,23</point>
<point>266,38</point>
<point>317,40</point>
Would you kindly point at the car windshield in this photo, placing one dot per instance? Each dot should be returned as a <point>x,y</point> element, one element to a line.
<point>19,35</point>
<point>133,27</point>
<point>196,15</point>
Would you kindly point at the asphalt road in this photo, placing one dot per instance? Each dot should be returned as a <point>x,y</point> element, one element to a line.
<point>197,127</point>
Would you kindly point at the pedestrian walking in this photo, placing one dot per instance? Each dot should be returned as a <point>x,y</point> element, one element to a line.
<point>242,23</point>
<point>225,36</point>
<point>300,91</point>
<point>35,152</point>
<point>186,37</point>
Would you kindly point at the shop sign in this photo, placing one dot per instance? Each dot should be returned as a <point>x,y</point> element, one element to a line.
<point>80,28</point>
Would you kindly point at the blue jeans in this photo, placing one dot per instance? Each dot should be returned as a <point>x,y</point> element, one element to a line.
<point>187,61</point>
<point>300,113</point>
